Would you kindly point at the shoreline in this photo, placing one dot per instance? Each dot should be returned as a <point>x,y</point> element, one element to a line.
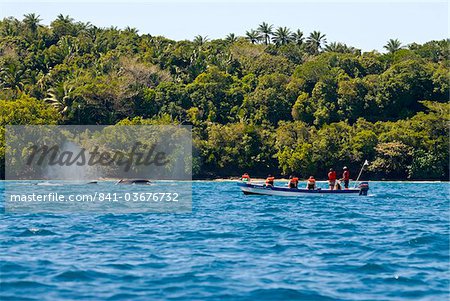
<point>254,180</point>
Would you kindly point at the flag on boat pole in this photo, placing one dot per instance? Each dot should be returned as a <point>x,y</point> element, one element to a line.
<point>366,163</point>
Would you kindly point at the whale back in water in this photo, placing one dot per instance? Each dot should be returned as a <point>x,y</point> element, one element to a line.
<point>134,182</point>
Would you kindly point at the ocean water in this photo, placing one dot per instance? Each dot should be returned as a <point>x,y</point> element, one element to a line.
<point>390,245</point>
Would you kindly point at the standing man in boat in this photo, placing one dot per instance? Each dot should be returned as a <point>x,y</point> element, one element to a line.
<point>346,177</point>
<point>332,178</point>
<point>270,180</point>
<point>311,184</point>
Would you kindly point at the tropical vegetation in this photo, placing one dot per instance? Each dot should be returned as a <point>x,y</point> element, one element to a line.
<point>273,101</point>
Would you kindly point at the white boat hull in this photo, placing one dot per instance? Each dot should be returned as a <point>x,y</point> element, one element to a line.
<point>259,189</point>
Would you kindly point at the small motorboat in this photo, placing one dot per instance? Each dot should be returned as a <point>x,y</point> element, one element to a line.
<point>262,189</point>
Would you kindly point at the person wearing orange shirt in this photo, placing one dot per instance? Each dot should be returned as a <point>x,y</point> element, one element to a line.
<point>311,184</point>
<point>293,182</point>
<point>270,180</point>
<point>332,178</point>
<point>346,177</point>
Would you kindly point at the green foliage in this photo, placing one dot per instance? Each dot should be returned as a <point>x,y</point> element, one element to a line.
<point>237,146</point>
<point>271,101</point>
<point>427,166</point>
<point>402,85</point>
<point>277,100</point>
<point>26,111</point>
<point>304,108</point>
<point>23,111</point>
<point>392,158</point>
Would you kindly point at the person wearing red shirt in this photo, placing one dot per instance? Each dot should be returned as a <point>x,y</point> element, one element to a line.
<point>332,178</point>
<point>346,177</point>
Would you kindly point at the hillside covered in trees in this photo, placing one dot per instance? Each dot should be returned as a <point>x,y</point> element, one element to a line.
<point>273,101</point>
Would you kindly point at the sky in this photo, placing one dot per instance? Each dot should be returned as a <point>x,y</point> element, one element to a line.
<point>362,24</point>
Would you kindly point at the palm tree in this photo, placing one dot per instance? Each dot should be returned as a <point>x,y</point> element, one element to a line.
<point>11,27</point>
<point>253,36</point>
<point>266,30</point>
<point>393,45</point>
<point>63,25</point>
<point>340,47</point>
<point>59,98</point>
<point>64,19</point>
<point>85,26</point>
<point>131,30</point>
<point>334,47</point>
<point>200,41</point>
<point>92,32</point>
<point>231,38</point>
<point>297,37</point>
<point>13,77</point>
<point>315,41</point>
<point>282,36</point>
<point>32,22</point>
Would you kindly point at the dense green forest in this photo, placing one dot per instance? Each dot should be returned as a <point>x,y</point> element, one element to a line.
<point>273,101</point>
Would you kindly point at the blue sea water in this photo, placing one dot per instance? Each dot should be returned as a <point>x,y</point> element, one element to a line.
<point>390,245</point>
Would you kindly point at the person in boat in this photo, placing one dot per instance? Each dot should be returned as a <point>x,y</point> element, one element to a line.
<point>293,182</point>
<point>332,178</point>
<point>346,177</point>
<point>338,185</point>
<point>245,177</point>
<point>270,180</point>
<point>311,183</point>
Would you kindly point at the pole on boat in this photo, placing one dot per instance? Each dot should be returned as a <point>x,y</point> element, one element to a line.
<point>366,163</point>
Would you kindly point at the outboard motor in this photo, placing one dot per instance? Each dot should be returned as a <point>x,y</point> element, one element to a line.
<point>363,188</point>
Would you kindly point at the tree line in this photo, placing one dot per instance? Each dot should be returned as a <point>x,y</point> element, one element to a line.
<point>272,101</point>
